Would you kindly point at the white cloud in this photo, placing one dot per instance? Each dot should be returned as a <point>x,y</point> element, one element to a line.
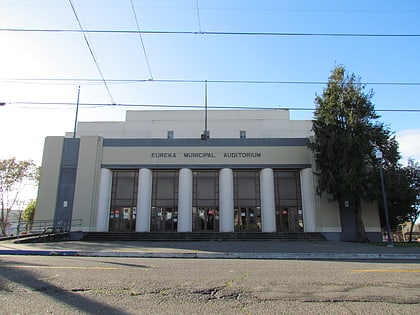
<point>409,143</point>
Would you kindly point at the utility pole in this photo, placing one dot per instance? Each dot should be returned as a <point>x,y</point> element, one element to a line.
<point>205,136</point>
<point>77,112</point>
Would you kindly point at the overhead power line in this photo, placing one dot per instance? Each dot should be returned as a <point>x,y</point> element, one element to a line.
<point>198,16</point>
<point>91,52</point>
<point>402,110</point>
<point>163,32</point>
<point>141,39</point>
<point>122,81</point>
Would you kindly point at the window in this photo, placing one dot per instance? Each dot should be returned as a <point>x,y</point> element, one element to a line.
<point>122,216</point>
<point>247,202</point>
<point>205,201</point>
<point>164,201</point>
<point>289,215</point>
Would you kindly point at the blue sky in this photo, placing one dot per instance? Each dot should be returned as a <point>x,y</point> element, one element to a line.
<point>40,71</point>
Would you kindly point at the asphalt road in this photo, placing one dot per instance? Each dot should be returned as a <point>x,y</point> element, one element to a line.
<point>89,285</point>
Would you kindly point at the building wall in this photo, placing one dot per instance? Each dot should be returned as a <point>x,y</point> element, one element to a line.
<point>273,141</point>
<point>50,172</point>
<point>210,153</point>
<point>190,124</point>
<point>328,221</point>
<point>87,182</point>
<point>370,217</point>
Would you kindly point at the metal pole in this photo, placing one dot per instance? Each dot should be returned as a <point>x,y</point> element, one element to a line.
<point>206,134</point>
<point>77,113</point>
<point>388,228</point>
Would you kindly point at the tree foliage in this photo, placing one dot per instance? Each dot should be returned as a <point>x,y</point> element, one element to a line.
<point>413,175</point>
<point>403,194</point>
<point>29,212</point>
<point>399,196</point>
<point>346,132</point>
<point>14,176</point>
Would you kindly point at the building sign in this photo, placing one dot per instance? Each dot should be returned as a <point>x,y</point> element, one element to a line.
<point>262,155</point>
<point>201,155</point>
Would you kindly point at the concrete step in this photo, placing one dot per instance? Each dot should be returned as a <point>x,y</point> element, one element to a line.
<point>195,236</point>
<point>44,238</point>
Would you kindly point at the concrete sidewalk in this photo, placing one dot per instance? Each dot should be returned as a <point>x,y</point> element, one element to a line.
<point>315,250</point>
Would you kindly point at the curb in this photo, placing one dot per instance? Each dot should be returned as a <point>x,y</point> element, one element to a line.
<point>24,252</point>
<point>217,255</point>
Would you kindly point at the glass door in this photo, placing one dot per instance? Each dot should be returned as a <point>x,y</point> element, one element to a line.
<point>205,219</point>
<point>122,215</point>
<point>164,219</point>
<point>288,198</point>
<point>248,219</point>
<point>289,220</point>
<point>164,201</point>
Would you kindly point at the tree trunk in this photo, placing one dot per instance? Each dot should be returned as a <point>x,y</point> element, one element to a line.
<point>3,225</point>
<point>411,231</point>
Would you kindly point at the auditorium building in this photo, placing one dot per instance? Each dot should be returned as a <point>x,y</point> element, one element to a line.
<point>189,171</point>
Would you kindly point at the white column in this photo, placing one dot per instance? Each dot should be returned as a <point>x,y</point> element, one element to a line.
<point>144,201</point>
<point>185,201</point>
<point>226,200</point>
<point>308,199</point>
<point>102,216</point>
<point>268,208</point>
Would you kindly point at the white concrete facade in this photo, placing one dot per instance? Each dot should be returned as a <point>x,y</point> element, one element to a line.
<point>187,124</point>
<point>104,200</point>
<point>268,215</point>
<point>226,201</point>
<point>185,201</point>
<point>144,200</point>
<point>266,142</point>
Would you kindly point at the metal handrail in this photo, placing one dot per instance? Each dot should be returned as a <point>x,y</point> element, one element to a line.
<point>19,228</point>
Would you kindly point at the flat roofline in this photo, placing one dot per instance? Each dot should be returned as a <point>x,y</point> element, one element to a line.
<point>221,142</point>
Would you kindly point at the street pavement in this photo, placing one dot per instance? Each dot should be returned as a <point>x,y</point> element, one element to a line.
<point>273,249</point>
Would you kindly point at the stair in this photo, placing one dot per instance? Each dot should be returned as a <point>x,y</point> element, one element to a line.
<point>44,238</point>
<point>194,236</point>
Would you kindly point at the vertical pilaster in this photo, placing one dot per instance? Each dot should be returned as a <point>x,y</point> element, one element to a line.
<point>144,201</point>
<point>104,200</point>
<point>226,200</point>
<point>185,200</point>
<point>268,214</point>
<point>308,200</point>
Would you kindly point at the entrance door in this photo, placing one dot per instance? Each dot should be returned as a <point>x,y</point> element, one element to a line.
<point>205,219</point>
<point>122,220</point>
<point>289,220</point>
<point>122,214</point>
<point>164,219</point>
<point>248,219</point>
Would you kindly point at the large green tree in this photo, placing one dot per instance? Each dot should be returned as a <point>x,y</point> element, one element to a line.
<point>14,176</point>
<point>412,171</point>
<point>399,194</point>
<point>402,186</point>
<point>346,133</point>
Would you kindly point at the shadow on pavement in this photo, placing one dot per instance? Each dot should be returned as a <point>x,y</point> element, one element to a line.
<point>28,280</point>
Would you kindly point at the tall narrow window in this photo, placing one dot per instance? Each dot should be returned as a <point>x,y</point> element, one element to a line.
<point>205,201</point>
<point>170,134</point>
<point>164,201</point>
<point>247,201</point>
<point>122,216</point>
<point>289,214</point>
<point>242,134</point>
